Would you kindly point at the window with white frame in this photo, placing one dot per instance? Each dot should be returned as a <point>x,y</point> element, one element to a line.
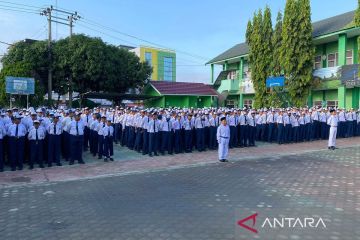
<point>332,60</point>
<point>332,104</point>
<point>317,63</point>
<point>168,68</point>
<point>349,57</point>
<point>317,103</point>
<point>230,103</point>
<point>248,103</point>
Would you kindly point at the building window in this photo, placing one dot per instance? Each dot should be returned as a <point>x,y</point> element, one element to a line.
<point>231,75</point>
<point>230,103</point>
<point>317,63</point>
<point>248,103</point>
<point>333,59</point>
<point>148,58</point>
<point>318,103</point>
<point>349,57</point>
<point>168,69</point>
<point>332,104</point>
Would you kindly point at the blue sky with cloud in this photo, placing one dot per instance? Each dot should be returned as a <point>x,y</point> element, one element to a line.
<point>204,28</point>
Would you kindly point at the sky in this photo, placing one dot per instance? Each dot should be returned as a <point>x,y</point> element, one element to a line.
<point>197,30</point>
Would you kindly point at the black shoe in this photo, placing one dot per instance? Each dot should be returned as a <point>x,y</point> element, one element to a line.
<point>150,155</point>
<point>329,148</point>
<point>41,166</point>
<point>156,154</point>
<point>99,158</point>
<point>71,163</point>
<point>31,167</point>
<point>49,165</point>
<point>111,159</point>
<point>222,160</point>
<point>225,160</point>
<point>20,168</point>
<point>59,164</point>
<point>81,162</point>
<point>105,159</point>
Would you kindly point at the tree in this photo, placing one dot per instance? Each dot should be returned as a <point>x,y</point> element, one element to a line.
<point>357,24</point>
<point>91,64</point>
<point>276,70</point>
<point>297,52</point>
<point>258,37</point>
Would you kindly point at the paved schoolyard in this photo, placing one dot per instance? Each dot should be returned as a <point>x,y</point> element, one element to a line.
<point>198,202</point>
<point>127,162</point>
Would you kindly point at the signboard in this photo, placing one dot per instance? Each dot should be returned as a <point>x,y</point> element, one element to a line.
<point>275,82</point>
<point>20,85</point>
<point>349,75</point>
<point>330,73</point>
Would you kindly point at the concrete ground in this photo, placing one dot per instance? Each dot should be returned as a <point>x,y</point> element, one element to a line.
<point>188,196</point>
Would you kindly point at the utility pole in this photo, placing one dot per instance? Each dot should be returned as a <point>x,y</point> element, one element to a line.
<point>47,12</point>
<point>72,16</point>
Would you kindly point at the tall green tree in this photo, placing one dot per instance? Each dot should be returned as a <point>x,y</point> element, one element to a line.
<point>258,37</point>
<point>357,24</point>
<point>297,53</point>
<point>276,70</point>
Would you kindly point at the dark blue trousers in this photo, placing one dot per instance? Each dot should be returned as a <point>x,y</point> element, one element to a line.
<point>54,149</point>
<point>152,143</point>
<point>77,143</point>
<point>108,146</point>
<point>66,145</point>
<point>138,140</point>
<point>212,138</point>
<point>295,134</point>
<point>145,147</point>
<point>252,133</point>
<point>323,130</point>
<point>243,135</point>
<point>16,152</point>
<point>188,140</point>
<point>165,146</point>
<point>101,142</point>
<point>270,131</point>
<point>86,138</point>
<point>232,136</point>
<point>36,152</point>
<point>280,134</point>
<point>177,141</point>
<point>200,139</point>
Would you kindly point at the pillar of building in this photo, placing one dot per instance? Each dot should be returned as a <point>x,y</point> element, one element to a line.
<point>342,61</point>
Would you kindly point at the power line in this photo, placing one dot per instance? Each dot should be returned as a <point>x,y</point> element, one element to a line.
<point>6,43</point>
<point>20,4</point>
<point>16,10</point>
<point>106,34</point>
<point>90,22</point>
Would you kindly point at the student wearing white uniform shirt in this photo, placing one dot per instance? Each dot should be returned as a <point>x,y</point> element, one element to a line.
<point>76,131</point>
<point>54,145</point>
<point>16,133</point>
<point>153,129</point>
<point>36,137</point>
<point>333,123</point>
<point>108,132</point>
<point>223,138</point>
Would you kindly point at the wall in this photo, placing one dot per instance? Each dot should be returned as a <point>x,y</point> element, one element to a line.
<point>154,58</point>
<point>160,70</point>
<point>176,101</point>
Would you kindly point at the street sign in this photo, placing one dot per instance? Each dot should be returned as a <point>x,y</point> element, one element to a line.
<point>20,85</point>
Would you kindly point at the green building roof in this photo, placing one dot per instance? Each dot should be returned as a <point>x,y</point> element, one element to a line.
<point>320,28</point>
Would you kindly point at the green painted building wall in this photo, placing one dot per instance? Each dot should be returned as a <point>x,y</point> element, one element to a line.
<point>160,57</point>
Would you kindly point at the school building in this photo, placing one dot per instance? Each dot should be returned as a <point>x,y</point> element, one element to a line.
<point>162,61</point>
<point>179,94</point>
<point>335,67</point>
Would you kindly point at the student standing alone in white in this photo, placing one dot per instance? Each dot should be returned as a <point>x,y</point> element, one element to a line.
<point>223,138</point>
